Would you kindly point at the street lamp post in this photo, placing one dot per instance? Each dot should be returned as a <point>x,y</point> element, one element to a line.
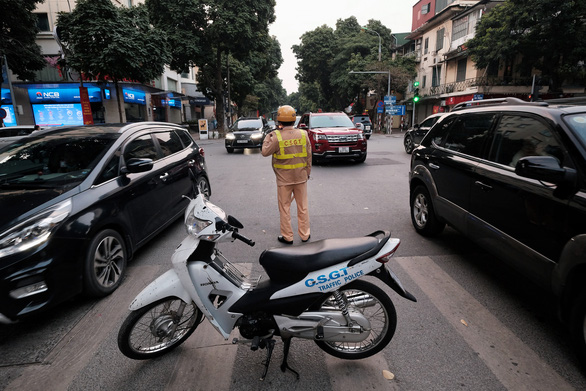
<point>379,41</point>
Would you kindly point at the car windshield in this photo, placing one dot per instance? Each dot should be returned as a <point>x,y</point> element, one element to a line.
<point>364,120</point>
<point>248,124</point>
<point>52,161</point>
<point>578,124</point>
<point>331,121</point>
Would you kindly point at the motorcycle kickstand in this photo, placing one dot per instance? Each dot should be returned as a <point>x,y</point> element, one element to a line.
<point>284,364</point>
<point>270,345</point>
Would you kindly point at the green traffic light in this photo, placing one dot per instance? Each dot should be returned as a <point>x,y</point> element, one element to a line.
<point>416,84</point>
<point>415,99</point>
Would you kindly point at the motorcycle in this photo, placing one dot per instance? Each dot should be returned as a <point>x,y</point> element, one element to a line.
<point>314,291</point>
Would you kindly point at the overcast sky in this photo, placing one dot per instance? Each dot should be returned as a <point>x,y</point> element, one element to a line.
<point>295,17</point>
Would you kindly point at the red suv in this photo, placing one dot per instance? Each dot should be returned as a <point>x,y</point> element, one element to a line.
<point>333,136</point>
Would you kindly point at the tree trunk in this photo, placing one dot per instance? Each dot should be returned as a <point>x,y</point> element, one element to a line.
<point>120,97</point>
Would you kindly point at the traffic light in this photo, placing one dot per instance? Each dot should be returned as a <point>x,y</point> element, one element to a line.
<point>416,97</point>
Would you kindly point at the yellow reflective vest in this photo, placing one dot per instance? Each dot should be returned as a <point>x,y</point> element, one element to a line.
<point>283,155</point>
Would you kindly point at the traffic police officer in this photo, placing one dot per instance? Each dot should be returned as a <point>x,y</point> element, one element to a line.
<point>291,151</point>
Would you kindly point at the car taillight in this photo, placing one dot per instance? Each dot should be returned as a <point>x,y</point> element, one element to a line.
<point>202,152</point>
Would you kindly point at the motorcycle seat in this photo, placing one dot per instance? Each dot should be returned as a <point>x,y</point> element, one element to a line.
<point>290,264</point>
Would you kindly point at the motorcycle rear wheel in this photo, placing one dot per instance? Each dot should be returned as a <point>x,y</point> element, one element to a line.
<point>381,315</point>
<point>147,332</point>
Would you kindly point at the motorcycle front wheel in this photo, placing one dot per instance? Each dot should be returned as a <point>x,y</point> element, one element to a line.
<point>376,306</point>
<point>157,328</point>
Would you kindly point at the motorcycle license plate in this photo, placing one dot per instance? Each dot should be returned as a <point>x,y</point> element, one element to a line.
<point>343,149</point>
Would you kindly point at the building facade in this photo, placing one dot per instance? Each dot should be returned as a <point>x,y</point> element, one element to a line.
<point>53,99</point>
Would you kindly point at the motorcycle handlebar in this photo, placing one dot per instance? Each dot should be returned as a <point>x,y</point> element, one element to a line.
<point>243,238</point>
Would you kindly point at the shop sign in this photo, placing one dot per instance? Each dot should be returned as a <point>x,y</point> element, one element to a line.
<point>10,119</point>
<point>86,107</point>
<point>132,96</point>
<point>6,98</point>
<point>452,100</point>
<point>62,95</point>
<point>58,114</point>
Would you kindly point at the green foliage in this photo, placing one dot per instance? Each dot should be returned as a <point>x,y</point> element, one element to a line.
<point>215,30</point>
<point>326,56</point>
<point>18,32</point>
<point>546,34</point>
<point>103,40</point>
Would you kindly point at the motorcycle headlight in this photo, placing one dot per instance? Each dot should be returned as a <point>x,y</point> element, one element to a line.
<point>35,231</point>
<point>230,136</point>
<point>194,226</point>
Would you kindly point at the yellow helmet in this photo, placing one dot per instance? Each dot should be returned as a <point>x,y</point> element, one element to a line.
<point>286,114</point>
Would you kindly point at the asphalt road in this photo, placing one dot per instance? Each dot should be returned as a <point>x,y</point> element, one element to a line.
<point>477,325</point>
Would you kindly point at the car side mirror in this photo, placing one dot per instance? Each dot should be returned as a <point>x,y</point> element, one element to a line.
<point>302,126</point>
<point>136,165</point>
<point>544,168</point>
<point>416,126</point>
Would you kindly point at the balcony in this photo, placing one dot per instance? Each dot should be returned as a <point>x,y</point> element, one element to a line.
<point>483,84</point>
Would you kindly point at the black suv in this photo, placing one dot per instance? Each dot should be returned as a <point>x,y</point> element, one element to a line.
<point>414,135</point>
<point>247,133</point>
<point>511,175</point>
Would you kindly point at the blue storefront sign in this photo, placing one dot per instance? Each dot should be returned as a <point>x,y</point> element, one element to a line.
<point>62,95</point>
<point>134,96</point>
<point>10,119</point>
<point>58,114</point>
<point>6,98</point>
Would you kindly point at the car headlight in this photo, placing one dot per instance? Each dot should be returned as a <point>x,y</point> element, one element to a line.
<point>360,136</point>
<point>35,231</point>
<point>230,136</point>
<point>256,136</point>
<point>318,137</point>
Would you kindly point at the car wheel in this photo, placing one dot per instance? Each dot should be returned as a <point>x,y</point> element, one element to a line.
<point>360,159</point>
<point>203,186</point>
<point>105,263</point>
<point>315,160</point>
<point>578,325</point>
<point>229,149</point>
<point>368,136</point>
<point>408,142</point>
<point>423,214</point>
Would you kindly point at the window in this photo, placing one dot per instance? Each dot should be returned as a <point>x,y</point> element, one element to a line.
<point>465,134</point>
<point>169,142</point>
<point>461,73</point>
<point>460,28</point>
<point>43,22</point>
<point>426,46</point>
<point>435,77</point>
<point>185,137</point>
<point>425,9</point>
<point>518,136</point>
<point>439,41</point>
<point>423,82</point>
<point>141,148</point>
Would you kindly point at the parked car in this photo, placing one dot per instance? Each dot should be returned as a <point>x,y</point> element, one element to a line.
<point>366,124</point>
<point>247,132</point>
<point>511,175</point>
<point>333,136</point>
<point>414,135</point>
<point>78,202</point>
<point>14,133</point>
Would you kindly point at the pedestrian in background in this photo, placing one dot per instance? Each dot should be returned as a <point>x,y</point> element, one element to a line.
<point>291,151</point>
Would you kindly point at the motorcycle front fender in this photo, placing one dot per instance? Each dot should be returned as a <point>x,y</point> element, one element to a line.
<point>166,285</point>
<point>388,277</point>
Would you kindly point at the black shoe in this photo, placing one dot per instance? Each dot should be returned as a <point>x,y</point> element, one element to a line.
<point>283,240</point>
<point>309,237</point>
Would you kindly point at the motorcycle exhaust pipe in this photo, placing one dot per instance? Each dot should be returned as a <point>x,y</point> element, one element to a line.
<point>361,300</point>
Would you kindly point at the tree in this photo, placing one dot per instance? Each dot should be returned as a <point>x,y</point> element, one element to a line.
<point>326,57</point>
<point>103,41</point>
<point>18,32</point>
<point>228,29</point>
<point>546,34</point>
